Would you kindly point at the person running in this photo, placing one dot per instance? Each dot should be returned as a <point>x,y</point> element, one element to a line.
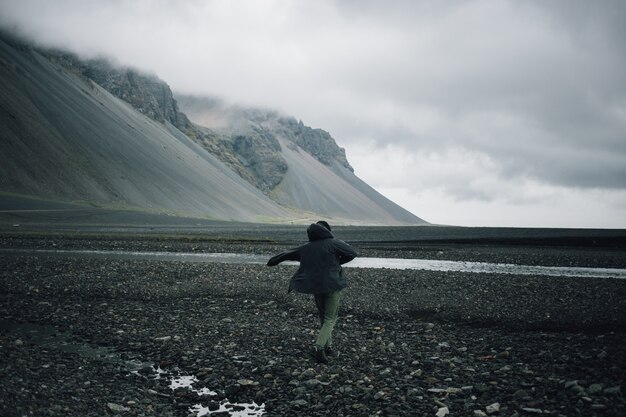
<point>320,273</point>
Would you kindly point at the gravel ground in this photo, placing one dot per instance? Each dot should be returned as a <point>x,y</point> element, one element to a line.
<point>409,342</point>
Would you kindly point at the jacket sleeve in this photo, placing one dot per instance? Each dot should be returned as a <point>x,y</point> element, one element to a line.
<point>344,251</point>
<point>290,255</point>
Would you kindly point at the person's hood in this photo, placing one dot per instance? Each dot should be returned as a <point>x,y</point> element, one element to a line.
<point>318,232</point>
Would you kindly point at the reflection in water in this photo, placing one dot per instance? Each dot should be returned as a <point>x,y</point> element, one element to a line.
<point>378,263</point>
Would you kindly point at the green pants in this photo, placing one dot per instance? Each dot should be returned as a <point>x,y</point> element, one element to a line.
<point>328,308</point>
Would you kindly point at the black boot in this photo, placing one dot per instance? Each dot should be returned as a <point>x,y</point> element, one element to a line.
<point>319,355</point>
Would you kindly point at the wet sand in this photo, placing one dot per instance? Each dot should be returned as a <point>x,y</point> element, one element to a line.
<point>409,342</point>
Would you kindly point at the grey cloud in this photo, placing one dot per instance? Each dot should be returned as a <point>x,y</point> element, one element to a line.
<point>536,86</point>
<point>565,93</point>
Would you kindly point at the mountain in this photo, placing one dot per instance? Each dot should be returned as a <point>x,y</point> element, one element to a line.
<point>90,131</point>
<point>318,177</point>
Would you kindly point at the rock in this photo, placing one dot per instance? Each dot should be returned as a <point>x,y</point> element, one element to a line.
<point>116,408</point>
<point>163,338</point>
<point>431,380</point>
<point>479,413</point>
<point>613,390</point>
<point>246,382</point>
<point>532,410</point>
<point>385,372</point>
<point>311,383</point>
<point>480,387</point>
<point>594,389</point>
<point>299,403</point>
<point>412,392</point>
<point>436,390</point>
<point>453,390</point>
<point>345,389</point>
<point>492,408</point>
<point>442,411</point>
<point>308,373</point>
<point>574,386</point>
<point>520,394</point>
<point>380,395</point>
<point>440,404</point>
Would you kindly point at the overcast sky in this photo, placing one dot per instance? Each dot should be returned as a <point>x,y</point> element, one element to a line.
<point>476,113</point>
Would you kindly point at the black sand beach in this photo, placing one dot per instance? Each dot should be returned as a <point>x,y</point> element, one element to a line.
<point>85,337</point>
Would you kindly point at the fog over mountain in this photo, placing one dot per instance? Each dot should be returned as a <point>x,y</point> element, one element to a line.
<point>97,133</point>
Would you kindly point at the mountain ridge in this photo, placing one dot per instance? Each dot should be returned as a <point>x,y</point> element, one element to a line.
<point>66,135</point>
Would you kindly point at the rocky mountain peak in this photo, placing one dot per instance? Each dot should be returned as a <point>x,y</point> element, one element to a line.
<point>247,144</point>
<point>250,134</point>
<point>145,92</point>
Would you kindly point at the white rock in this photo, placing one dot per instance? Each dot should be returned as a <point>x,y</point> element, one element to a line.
<point>163,339</point>
<point>443,411</point>
<point>532,410</point>
<point>380,395</point>
<point>479,413</point>
<point>245,382</point>
<point>436,390</point>
<point>492,408</point>
<point>117,408</point>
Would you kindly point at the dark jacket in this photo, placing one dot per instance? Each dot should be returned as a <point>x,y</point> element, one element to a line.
<point>320,270</point>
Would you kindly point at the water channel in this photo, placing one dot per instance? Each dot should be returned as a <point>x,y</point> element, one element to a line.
<point>378,263</point>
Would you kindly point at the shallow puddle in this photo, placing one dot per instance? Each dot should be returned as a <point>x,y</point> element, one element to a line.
<point>377,263</point>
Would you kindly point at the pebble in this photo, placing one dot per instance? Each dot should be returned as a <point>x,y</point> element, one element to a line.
<point>257,355</point>
<point>246,382</point>
<point>532,410</point>
<point>492,408</point>
<point>117,408</point>
<point>443,411</point>
<point>613,390</point>
<point>594,389</point>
